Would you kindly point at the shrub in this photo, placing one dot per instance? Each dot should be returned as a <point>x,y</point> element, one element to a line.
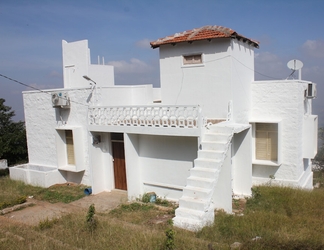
<point>91,220</point>
<point>169,243</point>
<point>45,224</point>
<point>146,198</point>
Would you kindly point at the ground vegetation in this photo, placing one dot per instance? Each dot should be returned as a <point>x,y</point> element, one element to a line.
<point>273,218</point>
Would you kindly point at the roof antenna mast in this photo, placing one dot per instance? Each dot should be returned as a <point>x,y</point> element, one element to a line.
<point>294,65</point>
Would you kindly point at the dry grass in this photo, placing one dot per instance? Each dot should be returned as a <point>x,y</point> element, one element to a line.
<point>70,233</point>
<point>280,218</point>
<point>12,191</point>
<point>284,218</point>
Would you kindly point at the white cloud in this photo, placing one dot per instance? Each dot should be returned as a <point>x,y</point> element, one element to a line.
<point>134,66</point>
<point>314,48</point>
<point>144,44</point>
<point>135,71</point>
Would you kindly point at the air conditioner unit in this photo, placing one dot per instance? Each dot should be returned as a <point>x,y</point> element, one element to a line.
<point>60,99</point>
<point>311,90</point>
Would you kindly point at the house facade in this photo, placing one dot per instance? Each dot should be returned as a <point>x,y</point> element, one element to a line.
<point>209,132</point>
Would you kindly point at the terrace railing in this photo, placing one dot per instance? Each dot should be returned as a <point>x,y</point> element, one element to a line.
<point>147,116</point>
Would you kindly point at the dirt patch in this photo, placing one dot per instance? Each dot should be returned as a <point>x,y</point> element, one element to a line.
<point>161,219</point>
<point>42,210</point>
<point>238,206</point>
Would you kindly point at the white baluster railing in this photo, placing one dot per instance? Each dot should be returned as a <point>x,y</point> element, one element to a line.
<point>149,116</point>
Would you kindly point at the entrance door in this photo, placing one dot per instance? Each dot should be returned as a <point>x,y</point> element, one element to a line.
<point>119,165</point>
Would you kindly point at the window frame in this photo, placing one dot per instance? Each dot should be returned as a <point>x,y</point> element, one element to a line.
<point>78,149</point>
<point>193,64</point>
<point>277,161</point>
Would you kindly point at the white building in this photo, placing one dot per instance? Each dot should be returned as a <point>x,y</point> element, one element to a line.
<point>209,132</point>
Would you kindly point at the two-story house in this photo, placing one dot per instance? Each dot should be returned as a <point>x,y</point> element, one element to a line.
<point>209,132</point>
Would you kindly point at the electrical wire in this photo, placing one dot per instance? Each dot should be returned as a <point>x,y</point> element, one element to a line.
<point>243,65</point>
<point>26,85</point>
<point>255,70</point>
<point>42,91</point>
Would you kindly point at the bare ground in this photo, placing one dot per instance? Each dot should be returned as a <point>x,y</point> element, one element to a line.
<point>41,210</point>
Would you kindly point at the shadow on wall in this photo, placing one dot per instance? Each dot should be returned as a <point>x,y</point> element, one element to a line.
<point>62,115</point>
<point>169,147</point>
<point>264,171</point>
<point>75,177</point>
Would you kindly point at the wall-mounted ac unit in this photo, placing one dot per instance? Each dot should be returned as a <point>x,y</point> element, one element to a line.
<point>311,90</point>
<point>60,99</point>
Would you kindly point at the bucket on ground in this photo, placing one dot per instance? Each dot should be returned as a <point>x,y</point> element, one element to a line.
<point>152,196</point>
<point>88,191</point>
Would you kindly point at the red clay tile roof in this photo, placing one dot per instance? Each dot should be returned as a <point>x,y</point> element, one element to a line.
<point>206,32</point>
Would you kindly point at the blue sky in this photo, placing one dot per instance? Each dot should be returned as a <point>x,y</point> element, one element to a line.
<point>31,34</point>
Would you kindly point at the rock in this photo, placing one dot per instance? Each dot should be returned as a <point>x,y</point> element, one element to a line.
<point>236,245</point>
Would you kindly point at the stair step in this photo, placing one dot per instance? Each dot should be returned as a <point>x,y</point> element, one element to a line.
<point>217,137</point>
<point>192,203</point>
<point>208,163</point>
<point>200,182</point>
<point>211,154</point>
<point>220,129</point>
<point>197,192</point>
<point>189,213</point>
<point>192,214</point>
<point>211,145</point>
<point>195,206</point>
<point>188,224</point>
<point>203,172</point>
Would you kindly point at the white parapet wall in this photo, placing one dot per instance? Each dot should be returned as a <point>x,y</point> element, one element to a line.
<point>36,175</point>
<point>288,108</point>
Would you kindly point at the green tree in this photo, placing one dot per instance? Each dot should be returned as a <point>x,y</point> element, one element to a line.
<point>319,158</point>
<point>13,143</point>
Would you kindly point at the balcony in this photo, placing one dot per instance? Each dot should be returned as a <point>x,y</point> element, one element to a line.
<point>157,119</point>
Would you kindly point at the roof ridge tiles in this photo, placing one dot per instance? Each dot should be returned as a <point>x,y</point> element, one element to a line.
<point>206,32</point>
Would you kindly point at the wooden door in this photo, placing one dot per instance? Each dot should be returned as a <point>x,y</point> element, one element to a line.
<point>119,165</point>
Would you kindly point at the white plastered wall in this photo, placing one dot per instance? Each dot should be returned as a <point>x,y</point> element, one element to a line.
<point>165,163</point>
<point>207,84</point>
<point>76,64</point>
<point>42,122</point>
<point>133,166</point>
<point>101,164</point>
<point>242,74</point>
<point>222,77</point>
<point>282,102</point>
<point>242,163</point>
<point>123,95</point>
<point>159,164</point>
<point>222,196</point>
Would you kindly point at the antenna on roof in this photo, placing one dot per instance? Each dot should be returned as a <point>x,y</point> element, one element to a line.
<point>294,65</point>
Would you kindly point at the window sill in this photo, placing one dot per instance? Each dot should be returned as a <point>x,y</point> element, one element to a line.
<point>70,168</point>
<point>267,163</point>
<point>193,65</point>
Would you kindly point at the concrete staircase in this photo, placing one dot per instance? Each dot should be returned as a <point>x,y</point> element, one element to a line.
<point>196,208</point>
